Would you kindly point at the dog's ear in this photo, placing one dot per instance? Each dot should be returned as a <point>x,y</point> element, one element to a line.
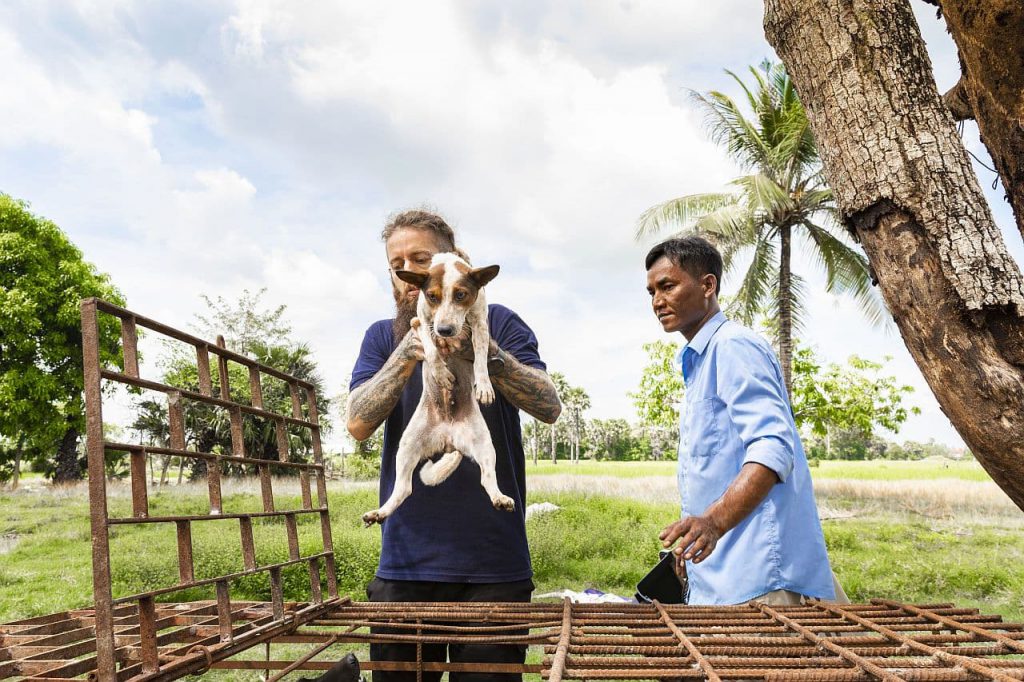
<point>483,275</point>
<point>415,278</point>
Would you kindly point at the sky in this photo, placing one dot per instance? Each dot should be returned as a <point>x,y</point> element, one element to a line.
<point>209,147</point>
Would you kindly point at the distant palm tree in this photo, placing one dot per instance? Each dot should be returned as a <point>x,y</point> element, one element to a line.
<point>784,195</point>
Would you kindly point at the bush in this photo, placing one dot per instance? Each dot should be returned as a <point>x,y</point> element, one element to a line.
<point>360,466</point>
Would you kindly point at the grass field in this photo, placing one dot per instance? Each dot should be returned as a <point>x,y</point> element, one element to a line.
<point>919,538</point>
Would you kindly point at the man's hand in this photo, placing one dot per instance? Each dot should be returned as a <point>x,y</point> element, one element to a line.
<point>411,347</point>
<point>698,534</point>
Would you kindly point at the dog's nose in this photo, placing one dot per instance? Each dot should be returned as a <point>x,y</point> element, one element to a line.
<point>446,330</point>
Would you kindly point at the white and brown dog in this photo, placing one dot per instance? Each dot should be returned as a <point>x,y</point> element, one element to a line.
<point>451,306</point>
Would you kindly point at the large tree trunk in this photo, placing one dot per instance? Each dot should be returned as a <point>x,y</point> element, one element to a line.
<point>990,38</point>
<point>905,187</point>
<point>554,445</point>
<point>786,307</point>
<point>69,467</point>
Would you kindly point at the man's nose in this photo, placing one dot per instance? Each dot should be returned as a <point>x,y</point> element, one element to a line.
<point>446,330</point>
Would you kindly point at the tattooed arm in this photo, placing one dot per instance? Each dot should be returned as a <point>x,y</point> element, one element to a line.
<point>371,403</point>
<point>528,388</point>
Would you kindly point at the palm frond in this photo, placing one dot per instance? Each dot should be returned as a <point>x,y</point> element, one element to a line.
<point>730,229</point>
<point>765,196</point>
<point>680,211</point>
<point>847,272</point>
<point>797,301</point>
<point>728,127</point>
<point>749,300</point>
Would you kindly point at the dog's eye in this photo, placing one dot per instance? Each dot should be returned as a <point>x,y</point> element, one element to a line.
<point>460,295</point>
<point>432,298</point>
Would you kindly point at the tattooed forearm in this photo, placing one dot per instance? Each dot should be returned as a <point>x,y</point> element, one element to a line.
<point>370,404</point>
<point>529,389</point>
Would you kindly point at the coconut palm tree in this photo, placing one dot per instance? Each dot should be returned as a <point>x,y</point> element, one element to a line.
<point>783,197</point>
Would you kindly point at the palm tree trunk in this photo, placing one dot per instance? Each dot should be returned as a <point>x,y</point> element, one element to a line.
<point>786,308</point>
<point>554,446</point>
<point>535,438</point>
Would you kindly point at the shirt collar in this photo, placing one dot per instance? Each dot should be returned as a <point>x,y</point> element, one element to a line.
<point>699,343</point>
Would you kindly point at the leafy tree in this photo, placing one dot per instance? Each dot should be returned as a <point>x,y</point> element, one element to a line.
<point>853,400</point>
<point>784,195</point>
<point>610,438</point>
<point>207,427</point>
<point>661,387</point>
<point>43,278</point>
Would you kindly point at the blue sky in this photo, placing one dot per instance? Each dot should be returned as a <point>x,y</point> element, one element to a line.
<point>207,147</point>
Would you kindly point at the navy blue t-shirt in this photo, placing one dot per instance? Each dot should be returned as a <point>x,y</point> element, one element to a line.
<point>450,532</point>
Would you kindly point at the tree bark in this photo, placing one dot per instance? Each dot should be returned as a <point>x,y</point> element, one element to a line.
<point>989,35</point>
<point>905,187</point>
<point>786,308</point>
<point>69,467</point>
<point>18,452</point>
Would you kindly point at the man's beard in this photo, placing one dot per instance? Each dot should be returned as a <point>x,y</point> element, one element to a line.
<point>405,310</point>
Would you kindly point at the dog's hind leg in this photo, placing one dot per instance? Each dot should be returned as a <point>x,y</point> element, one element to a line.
<point>481,450</point>
<point>437,472</point>
<point>410,451</point>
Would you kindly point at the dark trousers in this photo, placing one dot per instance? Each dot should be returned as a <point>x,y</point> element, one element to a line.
<point>408,590</point>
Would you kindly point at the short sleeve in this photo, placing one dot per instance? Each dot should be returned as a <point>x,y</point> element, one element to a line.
<point>751,387</point>
<point>515,337</point>
<point>374,352</point>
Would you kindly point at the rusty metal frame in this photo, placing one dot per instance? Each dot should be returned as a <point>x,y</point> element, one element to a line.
<point>140,638</point>
<point>150,665</point>
<point>883,640</point>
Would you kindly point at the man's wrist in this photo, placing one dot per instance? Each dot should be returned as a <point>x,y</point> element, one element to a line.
<point>496,361</point>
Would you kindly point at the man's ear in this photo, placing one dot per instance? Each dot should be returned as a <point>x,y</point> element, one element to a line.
<point>417,279</point>
<point>712,282</point>
<point>484,275</point>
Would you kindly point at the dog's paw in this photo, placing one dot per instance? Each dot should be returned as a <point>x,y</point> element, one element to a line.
<point>372,517</point>
<point>504,503</point>
<point>484,392</point>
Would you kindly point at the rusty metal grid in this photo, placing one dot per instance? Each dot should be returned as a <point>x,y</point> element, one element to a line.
<point>143,611</point>
<point>883,640</point>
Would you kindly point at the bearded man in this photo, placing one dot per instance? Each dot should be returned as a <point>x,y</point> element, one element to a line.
<point>447,543</point>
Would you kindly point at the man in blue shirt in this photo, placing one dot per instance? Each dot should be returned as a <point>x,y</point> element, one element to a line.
<point>447,542</point>
<point>749,526</point>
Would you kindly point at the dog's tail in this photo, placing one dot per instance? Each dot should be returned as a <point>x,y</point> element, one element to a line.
<point>433,473</point>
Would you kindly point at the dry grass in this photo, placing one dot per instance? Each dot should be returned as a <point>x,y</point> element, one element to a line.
<point>967,501</point>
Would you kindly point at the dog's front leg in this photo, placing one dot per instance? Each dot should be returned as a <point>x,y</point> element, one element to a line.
<point>433,361</point>
<point>481,347</point>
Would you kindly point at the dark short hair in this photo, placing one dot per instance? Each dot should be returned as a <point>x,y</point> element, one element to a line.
<point>694,254</point>
<point>420,219</point>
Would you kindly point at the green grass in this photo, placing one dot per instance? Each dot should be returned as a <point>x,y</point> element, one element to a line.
<point>877,470</point>
<point>592,541</point>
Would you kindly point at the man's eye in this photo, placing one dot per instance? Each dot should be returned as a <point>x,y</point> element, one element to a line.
<point>422,260</point>
<point>460,295</point>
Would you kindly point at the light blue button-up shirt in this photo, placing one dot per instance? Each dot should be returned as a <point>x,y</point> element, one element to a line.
<point>736,411</point>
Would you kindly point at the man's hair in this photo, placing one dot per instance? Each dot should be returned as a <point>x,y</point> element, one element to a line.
<point>420,219</point>
<point>694,254</point>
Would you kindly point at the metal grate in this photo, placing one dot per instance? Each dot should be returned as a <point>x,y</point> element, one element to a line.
<point>883,640</point>
<point>109,653</point>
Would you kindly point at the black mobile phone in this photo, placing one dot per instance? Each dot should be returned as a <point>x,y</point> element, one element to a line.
<point>661,583</point>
